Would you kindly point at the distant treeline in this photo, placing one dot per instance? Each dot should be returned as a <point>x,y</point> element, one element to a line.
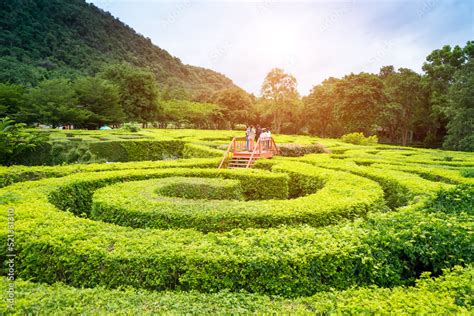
<point>400,106</point>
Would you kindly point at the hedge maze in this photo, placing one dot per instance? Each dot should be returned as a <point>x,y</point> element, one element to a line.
<point>374,229</point>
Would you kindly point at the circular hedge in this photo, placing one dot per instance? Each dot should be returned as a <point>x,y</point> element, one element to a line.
<point>302,229</point>
<point>197,188</point>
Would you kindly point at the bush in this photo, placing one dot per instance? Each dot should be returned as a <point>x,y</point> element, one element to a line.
<point>131,127</point>
<point>468,173</point>
<point>295,150</point>
<point>137,150</point>
<point>16,174</point>
<point>359,139</point>
<point>16,141</point>
<point>196,188</point>
<point>455,200</point>
<point>447,294</point>
<point>334,234</point>
<point>199,151</point>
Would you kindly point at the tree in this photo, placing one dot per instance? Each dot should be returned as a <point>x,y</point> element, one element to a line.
<point>406,97</point>
<point>15,140</point>
<point>279,90</point>
<point>440,68</point>
<point>138,91</point>
<point>101,98</point>
<point>17,72</point>
<point>357,102</point>
<point>53,102</point>
<point>460,110</point>
<point>236,105</point>
<point>11,98</point>
<point>319,109</point>
<point>195,114</point>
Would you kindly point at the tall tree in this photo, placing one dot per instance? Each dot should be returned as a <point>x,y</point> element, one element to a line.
<point>279,90</point>
<point>440,67</point>
<point>101,98</point>
<point>320,107</point>
<point>358,101</point>
<point>460,110</point>
<point>53,102</point>
<point>138,91</point>
<point>406,99</point>
<point>11,98</point>
<point>236,105</point>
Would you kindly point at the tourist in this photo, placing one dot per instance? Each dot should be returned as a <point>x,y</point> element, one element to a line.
<point>249,137</point>
<point>258,131</point>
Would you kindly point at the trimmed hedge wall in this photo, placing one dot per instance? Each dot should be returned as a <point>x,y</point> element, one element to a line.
<point>199,151</point>
<point>388,249</point>
<point>132,204</point>
<point>197,188</point>
<point>401,188</point>
<point>60,152</point>
<point>14,174</point>
<point>137,150</point>
<point>450,293</point>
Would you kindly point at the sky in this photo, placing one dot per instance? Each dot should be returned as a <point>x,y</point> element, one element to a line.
<point>312,40</point>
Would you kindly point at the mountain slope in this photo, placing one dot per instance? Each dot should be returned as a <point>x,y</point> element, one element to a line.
<point>39,38</point>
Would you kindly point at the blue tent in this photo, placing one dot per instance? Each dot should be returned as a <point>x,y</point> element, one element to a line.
<point>105,128</point>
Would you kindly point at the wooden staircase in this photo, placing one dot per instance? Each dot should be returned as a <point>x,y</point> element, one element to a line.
<point>237,155</point>
<point>240,162</point>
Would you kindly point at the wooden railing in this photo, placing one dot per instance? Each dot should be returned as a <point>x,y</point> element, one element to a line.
<point>258,147</point>
<point>263,145</point>
<point>227,152</point>
<point>239,144</point>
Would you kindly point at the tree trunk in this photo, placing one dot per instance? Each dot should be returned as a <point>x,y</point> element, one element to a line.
<point>404,137</point>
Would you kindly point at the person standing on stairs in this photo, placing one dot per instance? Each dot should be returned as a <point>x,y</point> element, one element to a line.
<point>249,137</point>
<point>258,132</point>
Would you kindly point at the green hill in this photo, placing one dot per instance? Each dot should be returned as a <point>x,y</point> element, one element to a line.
<point>56,38</point>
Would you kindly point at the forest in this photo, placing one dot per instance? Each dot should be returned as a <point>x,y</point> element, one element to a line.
<point>69,63</point>
<point>399,105</point>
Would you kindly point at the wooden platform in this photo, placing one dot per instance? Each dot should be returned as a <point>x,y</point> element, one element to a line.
<point>239,154</point>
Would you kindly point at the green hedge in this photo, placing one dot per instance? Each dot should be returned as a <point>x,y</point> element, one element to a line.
<point>133,204</point>
<point>76,194</point>
<point>295,150</point>
<point>284,261</point>
<point>137,150</point>
<point>385,249</point>
<point>200,151</point>
<point>401,188</point>
<point>75,150</point>
<point>448,294</point>
<point>197,188</point>
<point>14,174</point>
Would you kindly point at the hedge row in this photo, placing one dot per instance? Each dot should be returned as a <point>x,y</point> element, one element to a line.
<point>388,249</point>
<point>200,151</point>
<point>321,197</point>
<point>450,293</point>
<point>401,188</point>
<point>14,174</point>
<point>405,156</point>
<point>200,189</point>
<point>61,152</point>
<point>137,150</point>
<point>296,150</point>
<point>452,176</point>
<point>75,192</point>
